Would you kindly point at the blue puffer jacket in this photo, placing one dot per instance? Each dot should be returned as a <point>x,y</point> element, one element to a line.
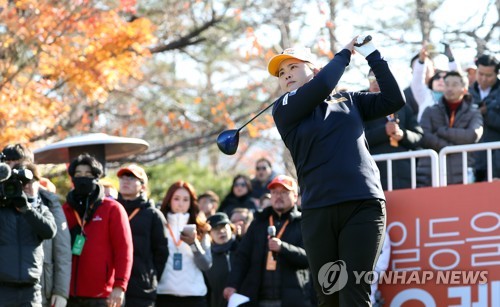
<point>21,237</point>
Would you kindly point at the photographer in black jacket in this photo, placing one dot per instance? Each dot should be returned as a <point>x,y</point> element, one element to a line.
<point>24,223</point>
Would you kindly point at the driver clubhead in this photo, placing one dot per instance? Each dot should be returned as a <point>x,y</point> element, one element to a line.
<point>228,140</point>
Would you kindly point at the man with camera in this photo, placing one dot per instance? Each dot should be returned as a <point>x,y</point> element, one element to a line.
<point>57,251</point>
<point>24,224</point>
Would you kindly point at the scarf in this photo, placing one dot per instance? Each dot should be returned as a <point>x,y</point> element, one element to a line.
<point>223,248</point>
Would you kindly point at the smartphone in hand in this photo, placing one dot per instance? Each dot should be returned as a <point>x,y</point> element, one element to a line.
<point>189,229</point>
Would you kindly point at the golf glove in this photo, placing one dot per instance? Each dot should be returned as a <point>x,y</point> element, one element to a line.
<point>366,49</point>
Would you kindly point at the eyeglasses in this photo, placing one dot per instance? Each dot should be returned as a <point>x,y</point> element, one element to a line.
<point>261,168</point>
<point>240,184</point>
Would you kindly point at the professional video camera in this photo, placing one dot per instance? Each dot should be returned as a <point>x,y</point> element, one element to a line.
<point>11,184</point>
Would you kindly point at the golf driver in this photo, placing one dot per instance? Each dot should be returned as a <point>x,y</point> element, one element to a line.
<point>228,140</point>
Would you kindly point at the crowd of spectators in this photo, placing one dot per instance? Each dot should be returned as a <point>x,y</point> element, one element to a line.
<point>108,246</point>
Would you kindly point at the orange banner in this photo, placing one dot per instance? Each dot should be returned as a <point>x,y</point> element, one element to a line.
<point>449,235</point>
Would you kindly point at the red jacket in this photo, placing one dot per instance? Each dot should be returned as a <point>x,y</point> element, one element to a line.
<point>106,259</point>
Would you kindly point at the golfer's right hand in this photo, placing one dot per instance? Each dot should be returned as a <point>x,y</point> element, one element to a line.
<point>350,45</point>
<point>228,291</point>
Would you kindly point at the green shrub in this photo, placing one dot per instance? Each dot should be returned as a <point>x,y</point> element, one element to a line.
<point>160,176</point>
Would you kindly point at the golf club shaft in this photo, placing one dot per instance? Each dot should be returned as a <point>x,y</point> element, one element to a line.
<point>262,111</point>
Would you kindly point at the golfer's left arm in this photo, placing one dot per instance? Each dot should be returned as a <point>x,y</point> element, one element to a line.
<point>391,97</point>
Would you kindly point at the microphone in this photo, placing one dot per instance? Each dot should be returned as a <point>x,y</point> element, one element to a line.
<point>4,172</point>
<point>271,231</point>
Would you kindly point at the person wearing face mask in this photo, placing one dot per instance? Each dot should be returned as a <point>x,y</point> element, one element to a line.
<point>182,283</point>
<point>101,239</point>
<point>429,94</point>
<point>25,222</point>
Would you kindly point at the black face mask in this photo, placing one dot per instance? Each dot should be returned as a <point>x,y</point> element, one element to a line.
<point>84,185</point>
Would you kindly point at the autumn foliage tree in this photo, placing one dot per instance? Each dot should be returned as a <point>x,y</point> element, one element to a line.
<point>76,66</point>
<point>59,59</point>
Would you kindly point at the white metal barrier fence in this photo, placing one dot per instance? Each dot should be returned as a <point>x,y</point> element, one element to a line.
<point>438,162</point>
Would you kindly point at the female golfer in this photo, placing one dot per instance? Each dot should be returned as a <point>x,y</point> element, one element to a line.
<point>343,221</point>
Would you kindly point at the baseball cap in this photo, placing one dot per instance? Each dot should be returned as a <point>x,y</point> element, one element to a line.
<point>469,65</point>
<point>285,181</point>
<point>299,53</point>
<point>218,219</point>
<point>135,170</point>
